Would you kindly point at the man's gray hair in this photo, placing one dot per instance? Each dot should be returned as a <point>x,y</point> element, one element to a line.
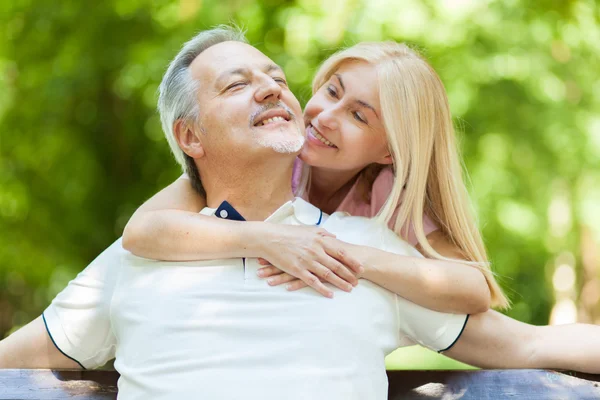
<point>177,91</point>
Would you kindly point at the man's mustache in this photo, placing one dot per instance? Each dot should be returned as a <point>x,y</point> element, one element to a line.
<point>267,107</point>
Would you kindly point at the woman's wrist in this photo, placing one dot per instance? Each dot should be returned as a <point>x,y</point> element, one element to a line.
<point>378,265</point>
<point>367,257</point>
<point>256,238</point>
<point>370,270</point>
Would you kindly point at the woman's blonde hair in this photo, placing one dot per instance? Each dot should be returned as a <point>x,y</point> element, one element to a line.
<point>421,139</point>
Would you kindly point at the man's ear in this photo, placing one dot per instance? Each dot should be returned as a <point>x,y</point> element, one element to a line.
<point>386,160</point>
<point>187,138</point>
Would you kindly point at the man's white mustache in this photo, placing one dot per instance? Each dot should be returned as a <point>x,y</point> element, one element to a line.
<point>268,107</point>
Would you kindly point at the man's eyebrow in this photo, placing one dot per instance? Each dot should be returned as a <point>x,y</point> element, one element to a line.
<point>268,68</point>
<point>228,73</point>
<point>272,67</point>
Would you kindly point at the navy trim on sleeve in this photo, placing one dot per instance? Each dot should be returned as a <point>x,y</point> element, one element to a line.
<point>55,345</point>
<point>320,218</point>
<point>458,337</point>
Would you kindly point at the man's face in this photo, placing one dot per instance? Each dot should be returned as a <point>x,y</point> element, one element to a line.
<point>246,107</point>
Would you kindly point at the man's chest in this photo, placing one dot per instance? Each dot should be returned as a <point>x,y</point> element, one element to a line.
<point>180,306</point>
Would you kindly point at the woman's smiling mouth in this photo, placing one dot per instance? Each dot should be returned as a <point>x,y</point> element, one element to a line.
<point>311,133</point>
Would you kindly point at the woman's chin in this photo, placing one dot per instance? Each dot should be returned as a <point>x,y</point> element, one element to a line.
<point>314,158</point>
<point>306,155</point>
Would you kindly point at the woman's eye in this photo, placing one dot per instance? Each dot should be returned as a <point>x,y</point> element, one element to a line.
<point>332,92</point>
<point>280,80</point>
<point>359,117</point>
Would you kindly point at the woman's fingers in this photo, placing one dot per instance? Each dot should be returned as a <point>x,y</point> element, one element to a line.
<point>314,282</point>
<point>325,233</point>
<point>277,277</point>
<point>340,254</point>
<point>265,272</point>
<point>280,279</point>
<point>327,275</point>
<point>295,285</point>
<point>340,270</point>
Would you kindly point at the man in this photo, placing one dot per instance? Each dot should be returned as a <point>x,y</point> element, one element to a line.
<point>219,332</point>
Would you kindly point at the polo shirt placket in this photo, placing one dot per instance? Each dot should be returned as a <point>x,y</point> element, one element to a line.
<point>251,266</point>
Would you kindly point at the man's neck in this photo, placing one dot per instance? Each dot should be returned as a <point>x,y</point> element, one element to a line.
<point>255,191</point>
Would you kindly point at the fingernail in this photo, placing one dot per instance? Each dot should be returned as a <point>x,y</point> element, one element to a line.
<point>349,288</point>
<point>361,270</point>
<point>288,287</point>
<point>330,295</point>
<point>270,281</point>
<point>260,272</point>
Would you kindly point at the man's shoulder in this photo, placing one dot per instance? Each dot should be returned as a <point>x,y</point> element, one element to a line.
<point>357,230</point>
<point>367,232</point>
<point>342,221</point>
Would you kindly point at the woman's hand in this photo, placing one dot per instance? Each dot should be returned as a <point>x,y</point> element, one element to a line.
<point>309,255</point>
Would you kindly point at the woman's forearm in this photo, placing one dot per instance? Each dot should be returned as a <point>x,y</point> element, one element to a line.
<point>438,285</point>
<point>493,340</point>
<point>175,235</point>
<point>573,347</point>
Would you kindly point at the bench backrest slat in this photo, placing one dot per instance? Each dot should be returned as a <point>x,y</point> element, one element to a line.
<point>405,385</point>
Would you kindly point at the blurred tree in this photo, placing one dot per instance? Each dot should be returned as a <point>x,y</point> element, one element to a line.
<point>81,145</point>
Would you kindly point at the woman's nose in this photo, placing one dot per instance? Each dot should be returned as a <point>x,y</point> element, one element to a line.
<point>328,119</point>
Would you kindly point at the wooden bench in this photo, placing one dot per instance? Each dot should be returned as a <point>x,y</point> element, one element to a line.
<point>408,385</point>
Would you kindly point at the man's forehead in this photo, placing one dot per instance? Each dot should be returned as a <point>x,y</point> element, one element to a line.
<point>227,55</point>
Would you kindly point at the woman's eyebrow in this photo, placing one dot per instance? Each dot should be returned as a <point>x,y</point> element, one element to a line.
<point>358,102</point>
<point>366,105</point>
<point>341,81</point>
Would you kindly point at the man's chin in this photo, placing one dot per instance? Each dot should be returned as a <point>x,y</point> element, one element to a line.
<point>282,141</point>
<point>289,146</point>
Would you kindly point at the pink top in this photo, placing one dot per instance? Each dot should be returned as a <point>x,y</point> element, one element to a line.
<point>354,203</point>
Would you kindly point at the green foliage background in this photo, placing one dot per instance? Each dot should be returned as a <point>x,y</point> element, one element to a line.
<point>81,145</point>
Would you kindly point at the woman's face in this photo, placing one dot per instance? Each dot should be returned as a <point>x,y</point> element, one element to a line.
<point>344,129</point>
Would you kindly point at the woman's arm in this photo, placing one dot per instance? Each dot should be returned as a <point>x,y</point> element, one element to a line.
<point>493,340</point>
<point>168,227</point>
<point>445,286</point>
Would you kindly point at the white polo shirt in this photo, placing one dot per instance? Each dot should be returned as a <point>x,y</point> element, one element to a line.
<point>214,330</point>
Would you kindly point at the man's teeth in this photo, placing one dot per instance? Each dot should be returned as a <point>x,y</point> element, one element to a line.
<point>274,119</point>
<point>321,138</point>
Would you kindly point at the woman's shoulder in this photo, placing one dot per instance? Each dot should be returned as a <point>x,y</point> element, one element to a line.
<point>359,203</point>
<point>381,189</point>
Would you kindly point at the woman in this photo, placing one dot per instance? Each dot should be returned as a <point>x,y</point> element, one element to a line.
<point>380,143</point>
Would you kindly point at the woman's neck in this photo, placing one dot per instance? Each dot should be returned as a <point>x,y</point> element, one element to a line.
<point>328,188</point>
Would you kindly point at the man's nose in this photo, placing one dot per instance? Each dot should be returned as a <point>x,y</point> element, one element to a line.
<point>268,90</point>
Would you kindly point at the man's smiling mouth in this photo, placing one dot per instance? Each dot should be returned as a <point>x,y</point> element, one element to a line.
<point>272,116</point>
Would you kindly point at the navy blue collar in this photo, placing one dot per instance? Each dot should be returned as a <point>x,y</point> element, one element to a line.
<point>227,211</point>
